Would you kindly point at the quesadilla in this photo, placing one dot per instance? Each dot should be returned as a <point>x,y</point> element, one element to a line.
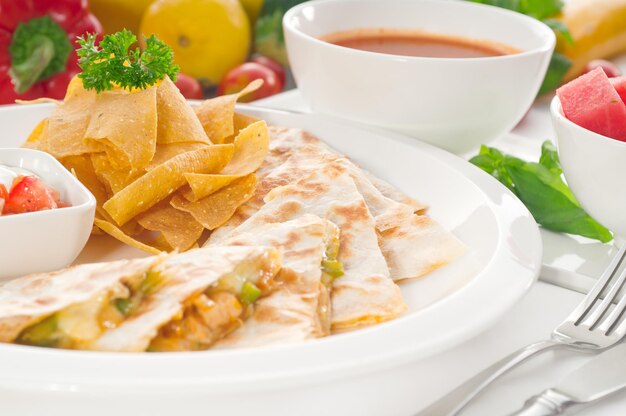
<point>71,307</point>
<point>365,294</point>
<point>200,296</point>
<point>413,245</point>
<point>299,309</point>
<point>179,301</point>
<point>286,142</point>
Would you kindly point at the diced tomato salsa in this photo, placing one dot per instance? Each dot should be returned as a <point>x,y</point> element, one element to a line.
<point>28,194</point>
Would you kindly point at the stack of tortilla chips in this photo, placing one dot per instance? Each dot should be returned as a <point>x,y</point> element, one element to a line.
<point>153,163</point>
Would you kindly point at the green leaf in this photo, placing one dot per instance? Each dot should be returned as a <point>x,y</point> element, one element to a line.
<point>559,28</point>
<point>542,193</point>
<point>491,160</point>
<point>541,188</point>
<point>540,9</point>
<point>112,63</point>
<point>559,65</point>
<point>550,158</point>
<point>505,4</point>
<point>39,49</point>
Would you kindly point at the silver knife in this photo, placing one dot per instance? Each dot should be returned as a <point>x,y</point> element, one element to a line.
<point>598,378</point>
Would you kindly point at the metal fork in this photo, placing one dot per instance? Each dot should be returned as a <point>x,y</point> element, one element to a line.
<point>593,325</point>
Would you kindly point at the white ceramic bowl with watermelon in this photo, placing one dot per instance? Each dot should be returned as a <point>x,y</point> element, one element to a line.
<point>453,103</point>
<point>589,117</point>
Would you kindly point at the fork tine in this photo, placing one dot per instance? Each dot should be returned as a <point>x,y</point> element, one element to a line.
<point>581,311</point>
<point>609,325</point>
<point>596,316</point>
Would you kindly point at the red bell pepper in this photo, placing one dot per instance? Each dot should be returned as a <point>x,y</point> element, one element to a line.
<point>37,46</point>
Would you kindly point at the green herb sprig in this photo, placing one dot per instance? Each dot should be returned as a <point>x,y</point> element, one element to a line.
<point>541,188</point>
<point>113,64</point>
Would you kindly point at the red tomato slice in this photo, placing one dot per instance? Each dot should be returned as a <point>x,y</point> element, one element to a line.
<point>3,196</point>
<point>29,194</point>
<point>240,76</point>
<point>189,87</point>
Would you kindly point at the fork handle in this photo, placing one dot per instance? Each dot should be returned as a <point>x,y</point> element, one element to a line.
<point>452,403</point>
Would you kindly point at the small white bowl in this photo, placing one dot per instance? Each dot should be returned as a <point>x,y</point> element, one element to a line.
<point>456,104</point>
<point>595,167</point>
<point>45,240</point>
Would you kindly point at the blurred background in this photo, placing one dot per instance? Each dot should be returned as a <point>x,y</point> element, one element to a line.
<point>222,45</point>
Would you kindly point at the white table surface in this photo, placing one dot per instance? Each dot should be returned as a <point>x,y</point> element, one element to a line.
<point>568,261</point>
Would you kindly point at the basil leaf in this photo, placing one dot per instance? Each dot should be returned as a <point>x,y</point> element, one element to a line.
<point>505,4</point>
<point>559,65</point>
<point>491,160</point>
<point>542,192</point>
<point>550,157</point>
<point>559,27</point>
<point>540,9</point>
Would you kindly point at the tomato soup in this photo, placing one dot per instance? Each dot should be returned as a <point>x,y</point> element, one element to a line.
<point>417,43</point>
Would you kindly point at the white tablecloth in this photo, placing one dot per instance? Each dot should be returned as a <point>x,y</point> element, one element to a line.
<point>568,261</point>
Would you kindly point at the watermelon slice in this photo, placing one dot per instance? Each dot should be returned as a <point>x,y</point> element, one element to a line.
<point>619,83</point>
<point>591,102</point>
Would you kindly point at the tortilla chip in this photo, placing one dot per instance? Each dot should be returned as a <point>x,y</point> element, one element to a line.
<point>251,147</point>
<point>164,179</point>
<point>69,121</point>
<point>240,121</point>
<point>115,232</point>
<point>125,124</point>
<point>82,168</point>
<point>217,208</point>
<point>177,121</point>
<point>165,152</point>
<point>115,179</point>
<point>178,228</point>
<point>202,185</point>
<point>216,114</point>
<point>37,133</point>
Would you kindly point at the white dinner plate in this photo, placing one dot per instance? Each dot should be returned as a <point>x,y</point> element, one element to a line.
<point>372,371</point>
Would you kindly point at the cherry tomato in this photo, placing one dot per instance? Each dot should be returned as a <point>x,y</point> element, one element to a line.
<point>29,194</point>
<point>278,69</point>
<point>240,76</point>
<point>610,69</point>
<point>189,87</point>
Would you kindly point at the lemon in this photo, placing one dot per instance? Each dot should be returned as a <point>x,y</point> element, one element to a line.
<point>116,15</point>
<point>208,37</point>
<point>252,8</point>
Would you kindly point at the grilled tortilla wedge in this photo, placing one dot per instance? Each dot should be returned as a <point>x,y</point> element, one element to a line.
<point>168,302</point>
<point>413,245</point>
<point>299,309</point>
<point>198,297</point>
<point>365,294</point>
<point>72,307</point>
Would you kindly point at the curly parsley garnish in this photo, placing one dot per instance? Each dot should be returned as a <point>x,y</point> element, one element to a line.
<point>113,64</point>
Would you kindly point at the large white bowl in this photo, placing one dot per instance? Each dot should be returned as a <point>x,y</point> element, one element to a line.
<point>374,371</point>
<point>455,104</point>
<point>48,240</point>
<point>595,167</point>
